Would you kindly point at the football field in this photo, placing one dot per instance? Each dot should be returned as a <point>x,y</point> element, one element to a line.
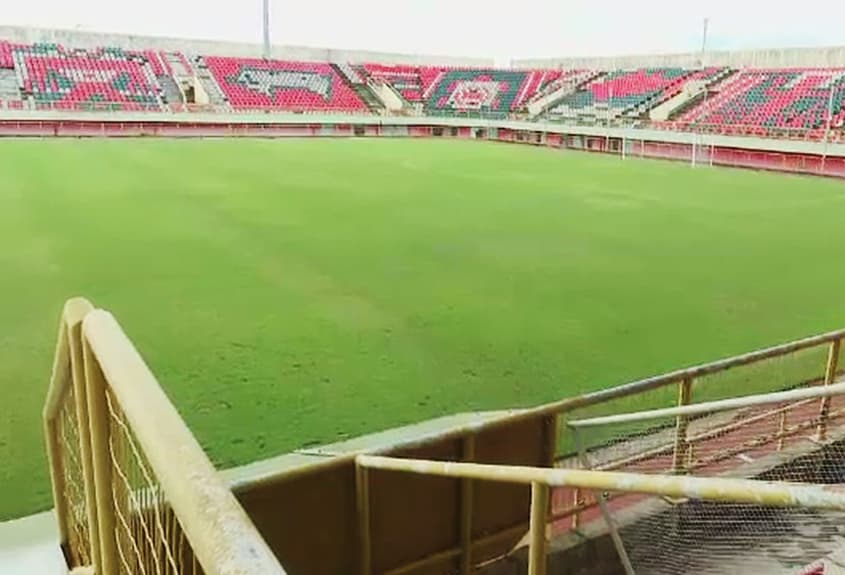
<point>296,292</point>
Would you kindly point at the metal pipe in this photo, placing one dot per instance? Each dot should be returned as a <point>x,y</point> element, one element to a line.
<point>713,406</point>
<point>829,378</point>
<point>537,530</point>
<point>467,497</point>
<point>710,489</point>
<point>220,533</point>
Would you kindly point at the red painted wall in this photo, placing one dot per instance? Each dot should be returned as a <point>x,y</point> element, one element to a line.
<point>765,160</point>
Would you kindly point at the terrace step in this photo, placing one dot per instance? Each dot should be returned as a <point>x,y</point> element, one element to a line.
<point>30,545</point>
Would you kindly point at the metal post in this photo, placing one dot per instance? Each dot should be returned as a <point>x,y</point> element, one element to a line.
<point>57,476</point>
<point>827,128</point>
<point>61,373</point>
<point>706,87</point>
<point>679,457</point>
<point>781,429</point>
<point>266,28</point>
<point>601,499</point>
<point>829,378</point>
<point>98,421</point>
<point>362,493</point>
<point>539,508</point>
<point>576,501</point>
<point>466,509</point>
<point>79,389</point>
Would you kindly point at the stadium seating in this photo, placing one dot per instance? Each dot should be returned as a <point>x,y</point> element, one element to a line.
<point>252,83</point>
<point>6,58</point>
<point>785,99</point>
<point>707,75</point>
<point>403,78</point>
<point>58,78</point>
<point>759,101</point>
<point>491,90</point>
<point>621,91</point>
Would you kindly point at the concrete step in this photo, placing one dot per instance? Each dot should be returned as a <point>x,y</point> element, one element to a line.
<point>31,545</point>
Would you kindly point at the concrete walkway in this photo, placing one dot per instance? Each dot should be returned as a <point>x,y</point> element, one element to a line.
<point>30,545</point>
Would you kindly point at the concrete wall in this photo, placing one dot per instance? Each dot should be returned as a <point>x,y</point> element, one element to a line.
<point>79,39</point>
<point>283,120</point>
<point>775,58</point>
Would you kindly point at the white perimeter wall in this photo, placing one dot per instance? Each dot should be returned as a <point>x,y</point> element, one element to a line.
<point>776,58</point>
<point>833,57</point>
<point>77,39</point>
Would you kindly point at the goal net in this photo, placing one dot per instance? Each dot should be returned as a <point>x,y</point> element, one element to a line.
<point>795,436</point>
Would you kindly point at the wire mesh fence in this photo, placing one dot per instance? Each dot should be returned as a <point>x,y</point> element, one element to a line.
<point>665,536</point>
<point>73,482</point>
<point>149,537</point>
<point>135,494</point>
<point>710,443</point>
<point>796,437</point>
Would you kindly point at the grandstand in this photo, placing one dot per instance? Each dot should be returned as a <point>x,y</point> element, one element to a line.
<point>49,75</point>
<point>731,466</point>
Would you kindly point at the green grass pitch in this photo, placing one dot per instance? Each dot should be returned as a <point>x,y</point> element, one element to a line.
<point>296,292</point>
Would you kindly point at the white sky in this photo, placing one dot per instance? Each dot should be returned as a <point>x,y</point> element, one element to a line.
<point>501,29</point>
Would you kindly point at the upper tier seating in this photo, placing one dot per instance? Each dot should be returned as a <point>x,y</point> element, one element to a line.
<point>403,78</point>
<point>7,60</point>
<point>56,78</point>
<point>491,90</point>
<point>707,75</point>
<point>620,91</point>
<point>784,99</point>
<point>252,83</point>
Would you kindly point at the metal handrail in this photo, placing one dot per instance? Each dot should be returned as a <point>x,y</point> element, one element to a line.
<point>96,360</point>
<point>712,406</point>
<point>540,479</point>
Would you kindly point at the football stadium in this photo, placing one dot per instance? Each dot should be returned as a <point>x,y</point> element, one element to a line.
<point>274,309</point>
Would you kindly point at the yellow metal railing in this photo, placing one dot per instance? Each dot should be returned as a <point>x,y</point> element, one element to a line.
<point>134,492</point>
<point>540,479</point>
<point>800,364</point>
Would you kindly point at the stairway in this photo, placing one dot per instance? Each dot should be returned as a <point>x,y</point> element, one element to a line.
<point>178,64</point>
<point>9,90</point>
<point>720,78</point>
<point>171,92</point>
<point>30,545</point>
<point>356,81</point>
<point>559,90</point>
<point>209,83</point>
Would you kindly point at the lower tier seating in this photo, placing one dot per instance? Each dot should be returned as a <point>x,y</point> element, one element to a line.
<point>491,90</point>
<point>620,91</point>
<point>57,78</point>
<point>403,78</point>
<point>252,83</point>
<point>784,99</point>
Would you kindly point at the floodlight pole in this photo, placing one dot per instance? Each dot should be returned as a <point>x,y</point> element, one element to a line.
<point>265,24</point>
<point>706,89</point>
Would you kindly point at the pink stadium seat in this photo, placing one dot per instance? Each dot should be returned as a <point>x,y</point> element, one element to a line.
<point>6,57</point>
<point>793,98</point>
<point>252,83</point>
<point>56,78</point>
<point>623,90</point>
<point>497,91</point>
<point>403,78</point>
